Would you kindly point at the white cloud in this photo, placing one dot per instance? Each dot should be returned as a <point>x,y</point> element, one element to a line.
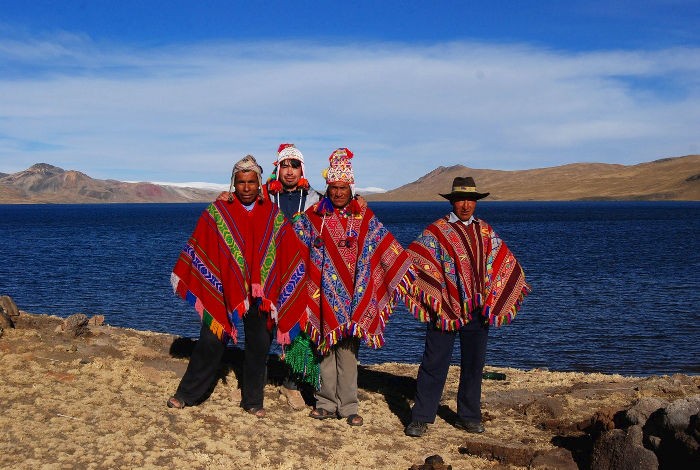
<point>188,113</point>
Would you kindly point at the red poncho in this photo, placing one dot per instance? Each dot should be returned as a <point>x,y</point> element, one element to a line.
<point>462,269</point>
<point>357,273</point>
<point>235,257</point>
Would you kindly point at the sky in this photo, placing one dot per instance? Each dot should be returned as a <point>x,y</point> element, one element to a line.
<point>178,91</point>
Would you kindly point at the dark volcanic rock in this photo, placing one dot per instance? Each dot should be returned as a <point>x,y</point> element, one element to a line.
<point>640,412</point>
<point>556,459</point>
<point>510,453</point>
<point>434,462</point>
<point>619,449</point>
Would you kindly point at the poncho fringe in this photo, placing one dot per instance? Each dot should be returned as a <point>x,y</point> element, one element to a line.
<point>353,330</point>
<point>235,257</point>
<point>437,249</point>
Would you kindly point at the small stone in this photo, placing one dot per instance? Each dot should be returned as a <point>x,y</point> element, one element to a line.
<point>434,462</point>
<point>433,459</point>
<point>555,459</point>
<point>97,320</point>
<point>9,305</point>
<point>76,325</point>
<point>5,320</point>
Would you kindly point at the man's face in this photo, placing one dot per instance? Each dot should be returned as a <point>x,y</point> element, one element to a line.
<point>339,194</point>
<point>463,209</point>
<point>246,185</point>
<point>290,173</point>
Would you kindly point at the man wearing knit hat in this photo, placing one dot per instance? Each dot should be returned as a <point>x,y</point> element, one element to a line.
<point>290,191</point>
<point>288,186</point>
<point>357,270</point>
<point>243,262</point>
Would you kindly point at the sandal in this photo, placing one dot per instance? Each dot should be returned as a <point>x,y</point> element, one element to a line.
<point>320,413</point>
<point>355,420</point>
<point>174,402</point>
<point>257,411</point>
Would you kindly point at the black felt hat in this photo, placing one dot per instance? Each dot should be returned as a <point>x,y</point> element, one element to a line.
<point>464,188</point>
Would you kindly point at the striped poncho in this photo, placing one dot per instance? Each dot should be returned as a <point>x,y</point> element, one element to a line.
<point>235,257</point>
<point>462,269</point>
<point>358,271</point>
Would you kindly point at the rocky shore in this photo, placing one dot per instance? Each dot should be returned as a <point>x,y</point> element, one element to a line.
<point>78,393</point>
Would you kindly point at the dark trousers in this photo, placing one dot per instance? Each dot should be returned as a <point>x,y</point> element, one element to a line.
<point>202,370</point>
<point>433,370</point>
<point>257,344</point>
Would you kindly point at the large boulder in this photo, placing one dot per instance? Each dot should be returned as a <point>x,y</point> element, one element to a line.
<point>76,325</point>
<point>9,306</point>
<point>8,311</point>
<point>5,320</point>
<point>622,449</point>
<point>673,433</point>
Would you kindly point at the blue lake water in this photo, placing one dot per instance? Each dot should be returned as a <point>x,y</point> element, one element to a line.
<point>616,285</point>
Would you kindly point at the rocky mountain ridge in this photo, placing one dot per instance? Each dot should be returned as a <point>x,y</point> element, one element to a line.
<point>44,183</point>
<point>672,179</point>
<point>669,179</point>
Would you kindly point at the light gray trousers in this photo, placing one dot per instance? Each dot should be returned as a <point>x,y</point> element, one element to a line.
<point>339,379</point>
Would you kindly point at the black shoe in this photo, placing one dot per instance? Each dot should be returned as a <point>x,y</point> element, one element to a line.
<point>470,426</point>
<point>416,429</point>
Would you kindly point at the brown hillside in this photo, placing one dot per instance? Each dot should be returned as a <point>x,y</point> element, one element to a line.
<point>43,183</point>
<point>666,179</point>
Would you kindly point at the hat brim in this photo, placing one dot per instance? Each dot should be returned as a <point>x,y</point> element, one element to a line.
<point>464,196</point>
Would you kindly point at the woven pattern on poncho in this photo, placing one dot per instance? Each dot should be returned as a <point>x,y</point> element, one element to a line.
<point>464,269</point>
<point>235,257</point>
<point>354,288</point>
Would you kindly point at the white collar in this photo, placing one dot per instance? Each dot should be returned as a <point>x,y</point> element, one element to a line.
<point>453,218</point>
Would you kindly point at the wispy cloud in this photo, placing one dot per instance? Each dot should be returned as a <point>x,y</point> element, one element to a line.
<point>186,113</point>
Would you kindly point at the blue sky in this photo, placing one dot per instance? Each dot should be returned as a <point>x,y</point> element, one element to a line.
<point>177,91</point>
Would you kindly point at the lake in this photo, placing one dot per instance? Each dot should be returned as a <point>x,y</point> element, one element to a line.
<point>615,284</point>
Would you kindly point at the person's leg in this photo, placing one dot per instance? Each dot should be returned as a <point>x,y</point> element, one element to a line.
<point>346,360</point>
<point>326,397</point>
<point>289,383</point>
<point>202,370</point>
<point>257,346</point>
<point>473,338</point>
<point>432,373</point>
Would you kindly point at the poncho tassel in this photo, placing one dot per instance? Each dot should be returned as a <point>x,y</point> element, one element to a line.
<point>303,361</point>
<point>204,315</point>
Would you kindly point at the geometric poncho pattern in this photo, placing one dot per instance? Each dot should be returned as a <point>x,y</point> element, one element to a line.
<point>235,257</point>
<point>356,275</point>
<point>461,269</point>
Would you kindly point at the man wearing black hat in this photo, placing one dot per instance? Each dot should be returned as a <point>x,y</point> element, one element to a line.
<point>467,279</point>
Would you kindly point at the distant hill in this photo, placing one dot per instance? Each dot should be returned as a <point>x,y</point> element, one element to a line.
<point>671,179</point>
<point>44,183</point>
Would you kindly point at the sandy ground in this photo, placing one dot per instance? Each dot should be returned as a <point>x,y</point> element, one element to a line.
<point>98,401</point>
